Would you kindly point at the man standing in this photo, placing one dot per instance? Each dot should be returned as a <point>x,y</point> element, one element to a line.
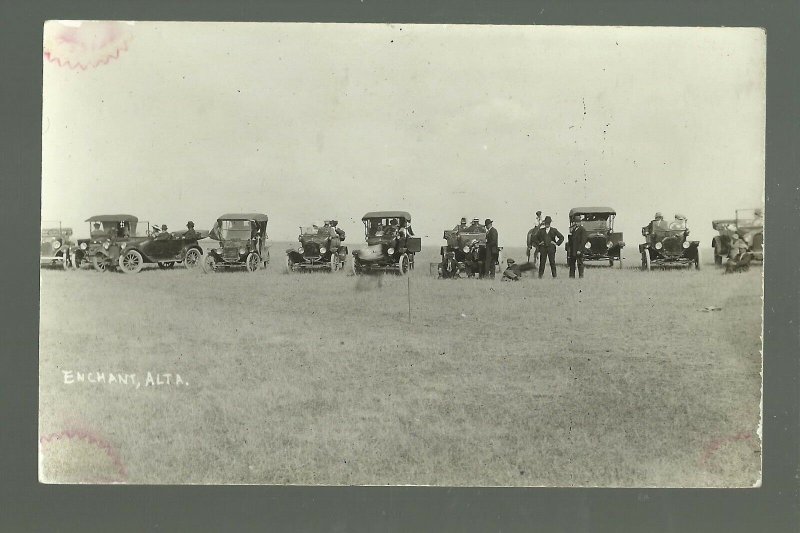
<point>577,242</point>
<point>547,239</point>
<point>491,249</point>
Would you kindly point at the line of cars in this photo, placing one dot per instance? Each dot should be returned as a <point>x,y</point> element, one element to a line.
<point>123,242</point>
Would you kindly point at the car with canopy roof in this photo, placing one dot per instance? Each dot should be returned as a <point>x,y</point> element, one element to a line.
<point>604,243</point>
<point>464,251</point>
<point>123,242</point>
<point>320,249</point>
<point>56,246</point>
<point>242,243</point>
<point>390,244</point>
<point>667,244</point>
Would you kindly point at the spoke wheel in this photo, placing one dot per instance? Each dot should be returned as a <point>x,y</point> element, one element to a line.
<point>697,258</point>
<point>131,262</point>
<point>192,259</point>
<point>252,262</point>
<point>355,266</point>
<point>334,262</point>
<point>209,264</point>
<point>646,260</point>
<point>99,262</point>
<point>289,265</point>
<point>403,264</point>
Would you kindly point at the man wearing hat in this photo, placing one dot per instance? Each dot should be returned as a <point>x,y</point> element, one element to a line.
<point>164,233</point>
<point>190,234</point>
<point>339,231</point>
<point>575,246</point>
<point>658,220</point>
<point>547,240</point>
<point>461,226</point>
<point>491,249</point>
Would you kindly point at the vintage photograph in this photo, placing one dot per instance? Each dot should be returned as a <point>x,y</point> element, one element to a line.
<point>401,254</point>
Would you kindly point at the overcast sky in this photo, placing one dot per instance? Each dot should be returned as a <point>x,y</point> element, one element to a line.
<point>313,121</point>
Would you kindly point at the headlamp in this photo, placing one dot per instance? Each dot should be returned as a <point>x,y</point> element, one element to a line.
<point>83,246</point>
<point>123,245</point>
<point>659,246</point>
<point>301,250</point>
<point>106,245</point>
<point>56,243</point>
<point>587,245</point>
<point>466,249</point>
<point>322,249</point>
<point>685,244</point>
<point>242,250</point>
<point>609,244</point>
<point>390,251</point>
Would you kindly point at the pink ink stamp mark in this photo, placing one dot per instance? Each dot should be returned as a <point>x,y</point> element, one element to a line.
<point>79,456</point>
<point>80,45</point>
<point>715,445</point>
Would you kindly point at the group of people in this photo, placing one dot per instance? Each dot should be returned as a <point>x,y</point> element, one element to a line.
<point>163,234</point>
<point>394,228</point>
<point>331,228</point>
<point>543,240</point>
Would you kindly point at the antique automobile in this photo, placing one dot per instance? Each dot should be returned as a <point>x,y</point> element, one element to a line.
<point>242,243</point>
<point>390,243</point>
<point>604,243</point>
<point>57,248</point>
<point>464,252</point>
<point>667,244</point>
<point>114,242</point>
<point>749,225</point>
<point>320,249</point>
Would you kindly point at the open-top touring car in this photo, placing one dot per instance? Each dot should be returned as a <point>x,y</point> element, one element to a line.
<point>56,247</point>
<point>390,243</point>
<point>667,244</point>
<point>115,243</point>
<point>242,242</point>
<point>320,249</point>
<point>749,225</point>
<point>464,251</point>
<point>604,243</point>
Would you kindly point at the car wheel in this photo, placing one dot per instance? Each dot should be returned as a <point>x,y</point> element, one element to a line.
<point>252,261</point>
<point>355,266</point>
<point>646,259</point>
<point>99,262</point>
<point>208,263</point>
<point>619,261</point>
<point>192,259</point>
<point>131,262</point>
<point>697,258</point>
<point>289,264</point>
<point>611,262</point>
<point>403,265</point>
<point>166,265</point>
<point>334,263</point>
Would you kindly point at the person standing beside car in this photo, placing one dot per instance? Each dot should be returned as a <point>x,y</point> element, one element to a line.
<point>491,249</point>
<point>578,239</point>
<point>547,240</point>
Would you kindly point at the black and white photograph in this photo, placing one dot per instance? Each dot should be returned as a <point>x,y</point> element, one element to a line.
<point>372,254</point>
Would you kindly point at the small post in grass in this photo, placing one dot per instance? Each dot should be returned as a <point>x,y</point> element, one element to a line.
<point>408,279</point>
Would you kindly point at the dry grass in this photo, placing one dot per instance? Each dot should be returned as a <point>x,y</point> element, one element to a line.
<point>615,380</point>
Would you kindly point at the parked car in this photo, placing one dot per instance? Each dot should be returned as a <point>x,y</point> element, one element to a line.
<point>320,249</point>
<point>243,242</point>
<point>57,247</point>
<point>604,243</point>
<point>667,244</point>
<point>749,225</point>
<point>117,244</point>
<point>464,252</point>
<point>390,243</point>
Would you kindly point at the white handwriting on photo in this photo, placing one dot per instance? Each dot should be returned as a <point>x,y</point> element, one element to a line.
<point>151,379</point>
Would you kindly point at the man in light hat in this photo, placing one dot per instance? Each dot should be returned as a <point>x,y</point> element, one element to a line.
<point>529,239</point>
<point>658,220</point>
<point>491,249</point>
<point>475,226</point>
<point>547,240</point>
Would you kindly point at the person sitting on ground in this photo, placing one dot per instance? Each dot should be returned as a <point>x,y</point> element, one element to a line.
<point>739,258</point>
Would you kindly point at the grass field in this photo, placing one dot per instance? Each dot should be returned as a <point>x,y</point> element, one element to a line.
<point>618,379</point>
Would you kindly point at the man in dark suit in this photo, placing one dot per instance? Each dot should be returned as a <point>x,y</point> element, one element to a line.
<point>576,245</point>
<point>491,249</point>
<point>547,239</point>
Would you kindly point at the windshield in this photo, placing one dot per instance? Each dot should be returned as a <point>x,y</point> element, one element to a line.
<point>110,228</point>
<point>678,224</point>
<point>595,225</point>
<point>235,230</point>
